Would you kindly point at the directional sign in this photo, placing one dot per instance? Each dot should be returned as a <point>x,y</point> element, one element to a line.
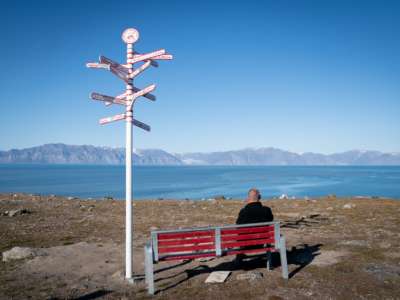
<point>108,99</point>
<point>146,56</point>
<point>141,125</point>
<point>120,74</point>
<point>148,95</point>
<point>164,57</point>
<point>98,66</point>
<point>140,93</point>
<point>108,61</point>
<point>140,69</point>
<point>107,120</point>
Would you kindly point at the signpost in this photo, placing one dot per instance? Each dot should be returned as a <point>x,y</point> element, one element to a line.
<point>127,73</point>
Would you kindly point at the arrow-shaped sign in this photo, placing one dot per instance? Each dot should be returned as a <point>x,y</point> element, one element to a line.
<point>148,95</point>
<point>152,62</point>
<point>108,61</point>
<point>107,120</point>
<point>108,99</point>
<point>117,69</point>
<point>140,57</point>
<point>164,57</point>
<point>141,125</point>
<point>120,74</point>
<point>98,66</point>
<point>140,69</point>
<point>140,93</point>
<point>119,117</point>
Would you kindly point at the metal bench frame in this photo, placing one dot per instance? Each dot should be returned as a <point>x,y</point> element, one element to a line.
<point>152,255</point>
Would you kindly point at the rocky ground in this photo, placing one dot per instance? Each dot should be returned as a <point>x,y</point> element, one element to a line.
<point>73,249</point>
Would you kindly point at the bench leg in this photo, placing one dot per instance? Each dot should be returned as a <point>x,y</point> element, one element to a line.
<point>282,252</point>
<point>268,261</point>
<point>148,267</point>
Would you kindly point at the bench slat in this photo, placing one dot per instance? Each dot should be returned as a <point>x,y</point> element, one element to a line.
<point>190,256</point>
<point>242,237</point>
<point>252,251</point>
<point>247,243</point>
<point>186,241</point>
<point>248,230</point>
<point>185,248</point>
<point>170,236</point>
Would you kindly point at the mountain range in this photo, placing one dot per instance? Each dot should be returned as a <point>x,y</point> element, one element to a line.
<point>86,154</point>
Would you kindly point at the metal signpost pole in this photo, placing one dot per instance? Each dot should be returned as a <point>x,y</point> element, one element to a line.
<point>127,73</point>
<point>128,169</point>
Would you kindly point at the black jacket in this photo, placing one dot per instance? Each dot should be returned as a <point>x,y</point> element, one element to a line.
<point>254,212</point>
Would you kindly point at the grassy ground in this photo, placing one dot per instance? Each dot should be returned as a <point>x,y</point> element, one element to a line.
<point>333,252</point>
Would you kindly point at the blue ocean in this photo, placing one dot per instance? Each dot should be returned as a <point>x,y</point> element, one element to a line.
<point>201,182</point>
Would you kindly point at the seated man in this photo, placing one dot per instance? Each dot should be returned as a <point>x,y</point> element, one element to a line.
<point>254,211</point>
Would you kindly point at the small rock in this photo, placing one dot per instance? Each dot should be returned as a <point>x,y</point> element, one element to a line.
<point>217,276</point>
<point>329,208</point>
<point>252,275</point>
<point>16,212</point>
<point>21,253</point>
<point>71,198</point>
<point>349,206</point>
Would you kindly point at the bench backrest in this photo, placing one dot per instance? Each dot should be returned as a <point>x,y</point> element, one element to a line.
<point>215,241</point>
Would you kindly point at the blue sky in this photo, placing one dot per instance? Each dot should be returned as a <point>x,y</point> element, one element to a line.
<point>303,76</point>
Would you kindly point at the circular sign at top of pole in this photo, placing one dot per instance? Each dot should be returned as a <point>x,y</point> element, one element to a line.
<point>130,35</point>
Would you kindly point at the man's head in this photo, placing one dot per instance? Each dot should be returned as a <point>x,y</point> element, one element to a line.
<point>253,195</point>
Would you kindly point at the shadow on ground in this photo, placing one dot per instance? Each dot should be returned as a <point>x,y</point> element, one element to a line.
<point>301,256</point>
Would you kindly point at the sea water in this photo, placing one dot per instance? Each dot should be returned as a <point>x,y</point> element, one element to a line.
<point>201,182</point>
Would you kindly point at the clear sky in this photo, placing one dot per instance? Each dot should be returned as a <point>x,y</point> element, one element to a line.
<point>320,76</point>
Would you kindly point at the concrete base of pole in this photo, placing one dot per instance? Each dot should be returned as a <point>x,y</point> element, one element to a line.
<point>135,279</point>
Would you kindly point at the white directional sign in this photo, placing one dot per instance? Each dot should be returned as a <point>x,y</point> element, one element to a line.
<point>164,57</point>
<point>148,95</point>
<point>143,92</point>
<point>98,66</point>
<point>107,120</point>
<point>136,58</point>
<point>141,125</point>
<point>140,69</point>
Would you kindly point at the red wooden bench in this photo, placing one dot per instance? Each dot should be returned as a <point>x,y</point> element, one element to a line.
<point>186,244</point>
